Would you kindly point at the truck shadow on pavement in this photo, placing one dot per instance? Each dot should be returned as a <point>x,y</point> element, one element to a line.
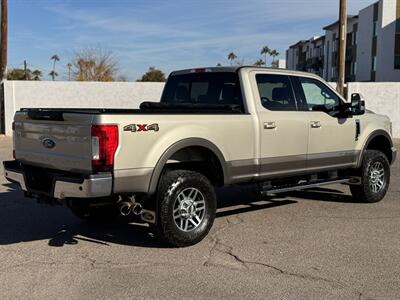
<point>23,220</point>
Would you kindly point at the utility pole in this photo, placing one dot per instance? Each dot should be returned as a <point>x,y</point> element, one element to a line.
<point>69,71</point>
<point>342,46</point>
<point>25,70</point>
<point>3,55</point>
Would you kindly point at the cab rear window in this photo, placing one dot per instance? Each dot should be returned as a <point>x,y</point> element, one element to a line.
<point>203,88</point>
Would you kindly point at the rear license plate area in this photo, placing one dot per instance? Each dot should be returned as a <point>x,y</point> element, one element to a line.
<point>37,179</point>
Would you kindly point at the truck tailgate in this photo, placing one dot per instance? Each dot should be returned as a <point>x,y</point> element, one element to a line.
<point>54,140</point>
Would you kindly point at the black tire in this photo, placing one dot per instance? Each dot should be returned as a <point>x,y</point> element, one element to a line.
<point>184,183</point>
<point>365,192</point>
<point>98,214</point>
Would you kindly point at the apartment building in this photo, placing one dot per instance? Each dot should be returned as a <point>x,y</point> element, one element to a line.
<point>379,42</point>
<point>307,55</point>
<point>331,70</point>
<point>372,47</point>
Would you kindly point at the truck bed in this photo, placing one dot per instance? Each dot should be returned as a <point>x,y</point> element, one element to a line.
<point>55,114</point>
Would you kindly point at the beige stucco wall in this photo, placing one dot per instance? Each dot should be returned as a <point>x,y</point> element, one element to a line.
<point>382,98</point>
<point>48,94</point>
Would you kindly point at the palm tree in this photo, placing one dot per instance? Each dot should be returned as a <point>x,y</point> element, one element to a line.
<point>36,74</point>
<point>53,74</point>
<point>55,58</point>
<point>232,56</point>
<point>265,51</point>
<point>274,54</point>
<point>259,63</point>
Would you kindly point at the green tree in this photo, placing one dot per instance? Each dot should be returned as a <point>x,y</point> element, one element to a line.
<point>55,58</point>
<point>36,74</point>
<point>16,74</point>
<point>259,63</point>
<point>19,74</point>
<point>265,51</point>
<point>231,57</point>
<point>153,75</point>
<point>53,74</point>
<point>274,54</point>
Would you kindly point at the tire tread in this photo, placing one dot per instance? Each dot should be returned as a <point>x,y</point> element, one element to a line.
<point>167,231</point>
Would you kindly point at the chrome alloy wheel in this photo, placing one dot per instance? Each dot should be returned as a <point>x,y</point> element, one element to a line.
<point>377,179</point>
<point>189,209</point>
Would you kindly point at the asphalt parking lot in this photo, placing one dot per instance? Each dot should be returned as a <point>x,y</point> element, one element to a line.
<point>315,244</point>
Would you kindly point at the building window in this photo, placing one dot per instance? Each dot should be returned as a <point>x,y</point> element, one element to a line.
<point>397,38</point>
<point>354,38</point>
<point>374,45</point>
<point>354,68</point>
<point>334,73</point>
<point>373,63</point>
<point>374,33</point>
<point>397,62</point>
<point>397,51</point>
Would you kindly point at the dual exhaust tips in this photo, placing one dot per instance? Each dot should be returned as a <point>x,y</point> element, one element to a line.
<point>132,207</point>
<point>126,208</point>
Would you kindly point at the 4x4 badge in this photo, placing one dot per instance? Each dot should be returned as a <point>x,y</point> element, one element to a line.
<point>141,127</point>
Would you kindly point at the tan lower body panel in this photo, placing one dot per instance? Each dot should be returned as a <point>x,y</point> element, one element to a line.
<point>332,159</point>
<point>132,180</point>
<point>138,180</point>
<point>285,166</point>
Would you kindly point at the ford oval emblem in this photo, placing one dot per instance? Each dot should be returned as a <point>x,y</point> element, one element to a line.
<point>48,143</point>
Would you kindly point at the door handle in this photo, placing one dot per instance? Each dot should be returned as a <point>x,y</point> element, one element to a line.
<point>269,125</point>
<point>315,124</point>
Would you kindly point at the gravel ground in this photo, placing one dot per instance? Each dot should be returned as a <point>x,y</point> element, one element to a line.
<point>314,244</point>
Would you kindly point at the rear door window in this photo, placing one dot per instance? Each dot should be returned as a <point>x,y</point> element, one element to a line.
<point>276,92</point>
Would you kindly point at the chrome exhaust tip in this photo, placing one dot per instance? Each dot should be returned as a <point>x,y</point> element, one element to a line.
<point>125,208</point>
<point>137,209</point>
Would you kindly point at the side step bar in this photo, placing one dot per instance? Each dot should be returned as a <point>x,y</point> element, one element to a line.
<point>303,186</point>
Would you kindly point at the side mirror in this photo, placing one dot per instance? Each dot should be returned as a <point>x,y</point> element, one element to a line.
<point>357,104</point>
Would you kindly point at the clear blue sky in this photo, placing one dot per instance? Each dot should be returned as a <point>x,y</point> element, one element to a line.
<point>168,34</point>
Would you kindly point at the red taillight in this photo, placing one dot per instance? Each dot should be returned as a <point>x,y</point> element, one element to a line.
<point>104,146</point>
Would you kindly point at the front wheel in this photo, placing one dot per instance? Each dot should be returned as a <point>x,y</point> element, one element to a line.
<point>375,178</point>
<point>187,207</point>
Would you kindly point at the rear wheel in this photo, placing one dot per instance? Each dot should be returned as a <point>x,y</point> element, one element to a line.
<point>187,207</point>
<point>375,178</point>
<point>85,211</point>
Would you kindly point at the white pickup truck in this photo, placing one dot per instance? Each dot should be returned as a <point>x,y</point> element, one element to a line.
<point>213,127</point>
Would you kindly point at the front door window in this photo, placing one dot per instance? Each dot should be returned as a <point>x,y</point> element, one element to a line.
<point>317,96</point>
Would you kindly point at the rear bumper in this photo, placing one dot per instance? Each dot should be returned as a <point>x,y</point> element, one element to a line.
<point>394,154</point>
<point>57,185</point>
